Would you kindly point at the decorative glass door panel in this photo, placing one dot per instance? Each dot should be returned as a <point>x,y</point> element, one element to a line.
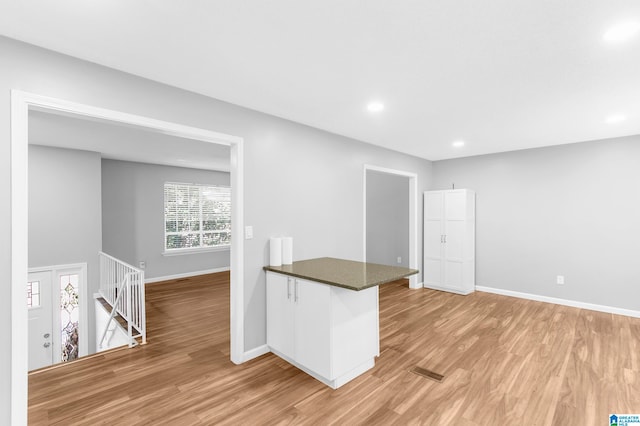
<point>69,317</point>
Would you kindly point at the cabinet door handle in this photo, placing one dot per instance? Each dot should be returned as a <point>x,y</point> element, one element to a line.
<point>442,238</point>
<point>288,288</point>
<point>295,291</point>
<point>445,238</point>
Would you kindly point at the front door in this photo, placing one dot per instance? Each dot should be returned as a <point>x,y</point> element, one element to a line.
<point>39,302</point>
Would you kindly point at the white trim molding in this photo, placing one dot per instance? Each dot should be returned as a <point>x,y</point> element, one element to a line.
<point>21,103</point>
<point>186,252</point>
<point>256,352</point>
<point>186,275</point>
<point>413,217</point>
<point>19,257</point>
<point>237,253</point>
<point>564,302</point>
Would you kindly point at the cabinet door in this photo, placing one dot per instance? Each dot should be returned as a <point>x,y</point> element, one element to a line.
<point>455,212</point>
<point>455,205</point>
<point>313,326</point>
<point>433,237</point>
<point>280,313</point>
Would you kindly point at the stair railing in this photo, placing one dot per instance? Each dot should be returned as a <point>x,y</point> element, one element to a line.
<point>122,286</point>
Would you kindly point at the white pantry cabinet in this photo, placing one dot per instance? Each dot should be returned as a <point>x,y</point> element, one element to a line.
<point>329,332</point>
<point>449,240</point>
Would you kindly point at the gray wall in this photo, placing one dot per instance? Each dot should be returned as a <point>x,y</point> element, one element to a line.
<point>387,218</point>
<point>294,178</point>
<point>65,215</point>
<point>133,216</point>
<point>571,210</point>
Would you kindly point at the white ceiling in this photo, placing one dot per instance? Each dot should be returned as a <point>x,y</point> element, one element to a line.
<point>499,74</point>
<point>125,143</point>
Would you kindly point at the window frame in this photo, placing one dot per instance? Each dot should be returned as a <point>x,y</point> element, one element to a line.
<point>201,231</point>
<point>31,293</point>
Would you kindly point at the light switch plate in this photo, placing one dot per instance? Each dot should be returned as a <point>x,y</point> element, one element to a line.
<point>248,232</point>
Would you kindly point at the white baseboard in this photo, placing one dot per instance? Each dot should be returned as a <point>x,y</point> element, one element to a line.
<point>255,353</point>
<point>448,290</point>
<point>565,302</point>
<point>418,285</point>
<point>186,275</point>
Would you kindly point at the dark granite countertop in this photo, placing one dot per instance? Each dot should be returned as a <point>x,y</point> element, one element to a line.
<point>347,274</point>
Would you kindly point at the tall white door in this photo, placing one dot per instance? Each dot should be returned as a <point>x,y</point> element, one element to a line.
<point>455,215</point>
<point>39,302</point>
<point>433,237</point>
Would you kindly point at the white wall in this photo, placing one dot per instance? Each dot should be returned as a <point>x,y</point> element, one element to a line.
<point>387,218</point>
<point>295,176</point>
<point>133,216</point>
<point>571,210</point>
<point>65,214</point>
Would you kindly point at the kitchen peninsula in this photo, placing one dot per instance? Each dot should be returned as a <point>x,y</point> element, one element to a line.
<point>322,315</point>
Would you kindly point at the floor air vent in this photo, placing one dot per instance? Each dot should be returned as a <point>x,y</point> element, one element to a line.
<point>427,373</point>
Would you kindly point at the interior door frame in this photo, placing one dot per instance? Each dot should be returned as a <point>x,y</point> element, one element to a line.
<point>413,216</point>
<point>21,103</point>
<point>83,332</point>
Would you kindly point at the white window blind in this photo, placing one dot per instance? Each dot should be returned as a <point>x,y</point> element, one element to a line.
<point>196,216</point>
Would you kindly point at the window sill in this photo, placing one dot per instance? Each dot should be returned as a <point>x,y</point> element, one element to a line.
<point>180,252</point>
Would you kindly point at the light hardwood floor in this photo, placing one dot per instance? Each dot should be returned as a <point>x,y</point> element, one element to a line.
<point>505,361</point>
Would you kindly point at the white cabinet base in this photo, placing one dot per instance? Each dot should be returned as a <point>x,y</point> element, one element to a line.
<point>329,332</point>
<point>338,381</point>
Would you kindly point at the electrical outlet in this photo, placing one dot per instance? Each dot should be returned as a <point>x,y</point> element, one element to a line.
<point>560,280</point>
<point>142,264</point>
<point>399,259</point>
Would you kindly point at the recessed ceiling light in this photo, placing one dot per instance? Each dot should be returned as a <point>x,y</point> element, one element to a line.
<point>617,118</point>
<point>458,144</point>
<point>375,106</point>
<point>622,32</point>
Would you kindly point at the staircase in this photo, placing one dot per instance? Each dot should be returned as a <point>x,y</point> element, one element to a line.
<point>122,294</point>
<point>119,321</point>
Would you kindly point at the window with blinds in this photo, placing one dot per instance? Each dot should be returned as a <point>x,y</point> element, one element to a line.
<point>196,216</point>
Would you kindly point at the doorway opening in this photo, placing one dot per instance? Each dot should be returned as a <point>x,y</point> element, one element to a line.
<point>406,240</point>
<point>21,104</point>
<point>96,194</point>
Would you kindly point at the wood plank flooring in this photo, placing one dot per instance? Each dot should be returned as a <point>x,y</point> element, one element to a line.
<point>505,361</point>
